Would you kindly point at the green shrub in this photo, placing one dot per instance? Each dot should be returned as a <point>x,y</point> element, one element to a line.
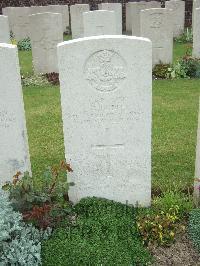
<point>19,243</point>
<point>194,227</point>
<point>186,37</point>
<point>186,67</point>
<point>104,233</point>
<point>44,204</point>
<point>24,45</point>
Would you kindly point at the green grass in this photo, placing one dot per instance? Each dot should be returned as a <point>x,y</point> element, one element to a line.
<point>175,105</point>
<point>105,234</point>
<point>180,49</point>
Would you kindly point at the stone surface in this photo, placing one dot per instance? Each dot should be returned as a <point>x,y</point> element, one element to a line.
<point>14,153</point>
<point>117,8</point>
<point>156,24</point>
<point>18,21</point>
<point>196,4</point>
<point>106,107</point>
<point>197,163</point>
<point>133,16</point>
<point>46,32</point>
<point>99,22</point>
<point>178,15</point>
<point>76,12</point>
<point>4,30</point>
<point>196,34</point>
<point>61,9</point>
<point>155,4</point>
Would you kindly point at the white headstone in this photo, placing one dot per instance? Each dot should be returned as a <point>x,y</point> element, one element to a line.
<point>19,21</point>
<point>61,9</point>
<point>4,30</point>
<point>196,4</point>
<point>117,8</point>
<point>178,14</point>
<point>106,110</point>
<point>76,12</point>
<point>196,34</point>
<point>14,152</point>
<point>155,4</point>
<point>197,164</point>
<point>133,16</point>
<point>46,32</point>
<point>156,24</point>
<point>99,22</point>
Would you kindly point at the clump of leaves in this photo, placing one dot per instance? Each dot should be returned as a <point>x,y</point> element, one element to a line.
<point>19,242</point>
<point>194,227</point>
<point>24,45</point>
<point>186,37</point>
<point>160,228</point>
<point>104,233</point>
<point>160,71</point>
<point>35,80</point>
<point>39,203</point>
<point>53,78</point>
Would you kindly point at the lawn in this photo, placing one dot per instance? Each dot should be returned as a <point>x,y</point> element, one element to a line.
<point>175,105</point>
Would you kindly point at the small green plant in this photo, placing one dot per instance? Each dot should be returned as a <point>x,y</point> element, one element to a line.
<point>19,243</point>
<point>35,80</point>
<point>39,203</point>
<point>194,227</point>
<point>160,228</point>
<point>186,37</point>
<point>24,45</point>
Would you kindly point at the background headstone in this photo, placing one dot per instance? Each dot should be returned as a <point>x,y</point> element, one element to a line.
<point>117,8</point>
<point>46,32</point>
<point>106,109</point>
<point>99,22</point>
<point>76,12</point>
<point>18,18</point>
<point>156,24</point>
<point>14,152</point>
<point>61,9</point>
<point>4,30</point>
<point>196,34</point>
<point>178,15</point>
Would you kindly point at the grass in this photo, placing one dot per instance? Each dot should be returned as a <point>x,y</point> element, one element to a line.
<point>175,105</point>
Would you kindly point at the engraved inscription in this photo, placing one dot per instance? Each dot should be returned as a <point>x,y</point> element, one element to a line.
<point>156,20</point>
<point>104,70</point>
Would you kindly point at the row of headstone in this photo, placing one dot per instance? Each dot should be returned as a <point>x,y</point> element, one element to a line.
<point>4,30</point>
<point>106,20</point>
<point>107,122</point>
<point>19,18</point>
<point>133,11</point>
<point>196,33</point>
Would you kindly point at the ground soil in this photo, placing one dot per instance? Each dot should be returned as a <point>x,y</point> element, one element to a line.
<point>180,253</point>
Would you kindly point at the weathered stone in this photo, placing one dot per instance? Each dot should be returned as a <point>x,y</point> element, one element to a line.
<point>18,18</point>
<point>14,152</point>
<point>106,108</point>
<point>155,4</point>
<point>178,15</point>
<point>117,8</point>
<point>196,4</point>
<point>196,34</point>
<point>46,32</point>
<point>99,22</point>
<point>61,9</point>
<point>76,12</point>
<point>156,24</point>
<point>4,30</point>
<point>133,16</point>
